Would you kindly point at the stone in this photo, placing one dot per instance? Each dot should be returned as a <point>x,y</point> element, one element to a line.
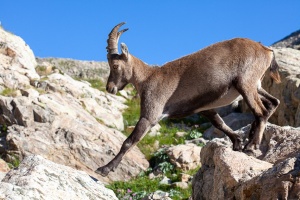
<point>154,131</point>
<point>180,134</point>
<point>184,156</point>
<point>279,182</point>
<point>3,166</point>
<point>197,141</point>
<point>165,181</point>
<point>108,117</point>
<point>17,61</point>
<point>185,177</point>
<point>124,94</point>
<point>270,172</point>
<point>38,178</point>
<point>158,195</point>
<point>182,185</point>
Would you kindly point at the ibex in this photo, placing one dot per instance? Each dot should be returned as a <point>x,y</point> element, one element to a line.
<point>197,83</point>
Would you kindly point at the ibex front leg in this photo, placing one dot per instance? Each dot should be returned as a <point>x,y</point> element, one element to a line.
<point>139,131</point>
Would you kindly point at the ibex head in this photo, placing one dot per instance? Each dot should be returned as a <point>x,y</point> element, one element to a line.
<point>120,69</point>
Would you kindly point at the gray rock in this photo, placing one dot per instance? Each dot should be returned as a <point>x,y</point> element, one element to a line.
<point>271,172</point>
<point>165,181</point>
<point>184,156</point>
<point>38,178</point>
<point>182,185</point>
<point>158,195</point>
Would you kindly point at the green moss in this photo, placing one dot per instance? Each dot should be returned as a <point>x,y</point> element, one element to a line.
<point>8,92</point>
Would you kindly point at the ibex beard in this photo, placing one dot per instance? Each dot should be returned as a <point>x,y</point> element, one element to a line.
<point>210,78</point>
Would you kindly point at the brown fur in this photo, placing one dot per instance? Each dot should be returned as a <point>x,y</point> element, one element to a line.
<point>212,77</point>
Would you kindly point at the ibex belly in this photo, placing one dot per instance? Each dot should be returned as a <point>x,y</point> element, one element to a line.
<point>201,103</point>
<point>231,96</point>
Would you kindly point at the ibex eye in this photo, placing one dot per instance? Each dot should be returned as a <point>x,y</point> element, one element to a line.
<point>115,66</point>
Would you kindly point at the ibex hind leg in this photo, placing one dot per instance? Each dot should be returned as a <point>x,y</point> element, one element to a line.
<point>259,111</point>
<point>217,121</point>
<point>270,102</point>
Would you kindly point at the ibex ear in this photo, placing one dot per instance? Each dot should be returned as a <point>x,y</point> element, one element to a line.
<point>124,50</point>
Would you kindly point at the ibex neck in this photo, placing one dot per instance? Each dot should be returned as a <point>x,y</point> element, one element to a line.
<point>140,73</point>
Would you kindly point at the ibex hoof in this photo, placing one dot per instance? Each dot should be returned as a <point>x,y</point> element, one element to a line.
<point>250,146</point>
<point>237,144</point>
<point>103,171</point>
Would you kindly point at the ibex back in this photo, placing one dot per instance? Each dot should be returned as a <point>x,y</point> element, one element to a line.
<point>212,77</point>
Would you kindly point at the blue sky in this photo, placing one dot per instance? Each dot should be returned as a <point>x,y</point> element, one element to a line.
<point>159,31</point>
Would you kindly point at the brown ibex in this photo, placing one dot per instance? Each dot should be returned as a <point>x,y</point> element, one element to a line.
<point>197,83</point>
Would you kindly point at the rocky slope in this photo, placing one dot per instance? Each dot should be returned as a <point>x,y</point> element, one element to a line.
<point>63,120</point>
<point>290,41</point>
<point>77,68</point>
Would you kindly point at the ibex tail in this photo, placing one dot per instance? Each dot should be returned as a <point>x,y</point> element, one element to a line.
<point>274,73</point>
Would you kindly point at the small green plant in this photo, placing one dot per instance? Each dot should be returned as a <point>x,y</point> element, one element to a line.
<point>166,167</point>
<point>8,92</point>
<point>193,134</point>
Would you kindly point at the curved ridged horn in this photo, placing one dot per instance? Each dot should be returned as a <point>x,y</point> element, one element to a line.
<point>113,39</point>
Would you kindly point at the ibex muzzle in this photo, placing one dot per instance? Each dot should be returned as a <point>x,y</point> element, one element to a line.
<point>197,83</point>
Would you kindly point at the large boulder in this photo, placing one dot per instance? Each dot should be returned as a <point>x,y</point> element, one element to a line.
<point>272,172</point>
<point>17,61</point>
<point>38,178</point>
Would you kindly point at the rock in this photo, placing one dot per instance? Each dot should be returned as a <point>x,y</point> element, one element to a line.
<point>184,156</point>
<point>227,174</point>
<point>17,61</point>
<point>153,176</point>
<point>3,166</point>
<point>38,178</point>
<point>154,131</point>
<point>279,182</point>
<point>233,120</point>
<point>124,94</point>
<point>291,41</point>
<point>197,141</point>
<point>185,177</point>
<point>180,134</point>
<point>84,147</point>
<point>112,117</point>
<point>165,181</point>
<point>158,195</point>
<point>182,185</point>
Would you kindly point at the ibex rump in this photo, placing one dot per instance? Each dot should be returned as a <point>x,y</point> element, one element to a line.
<point>212,77</point>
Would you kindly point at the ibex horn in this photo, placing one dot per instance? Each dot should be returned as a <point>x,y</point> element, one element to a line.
<point>113,39</point>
